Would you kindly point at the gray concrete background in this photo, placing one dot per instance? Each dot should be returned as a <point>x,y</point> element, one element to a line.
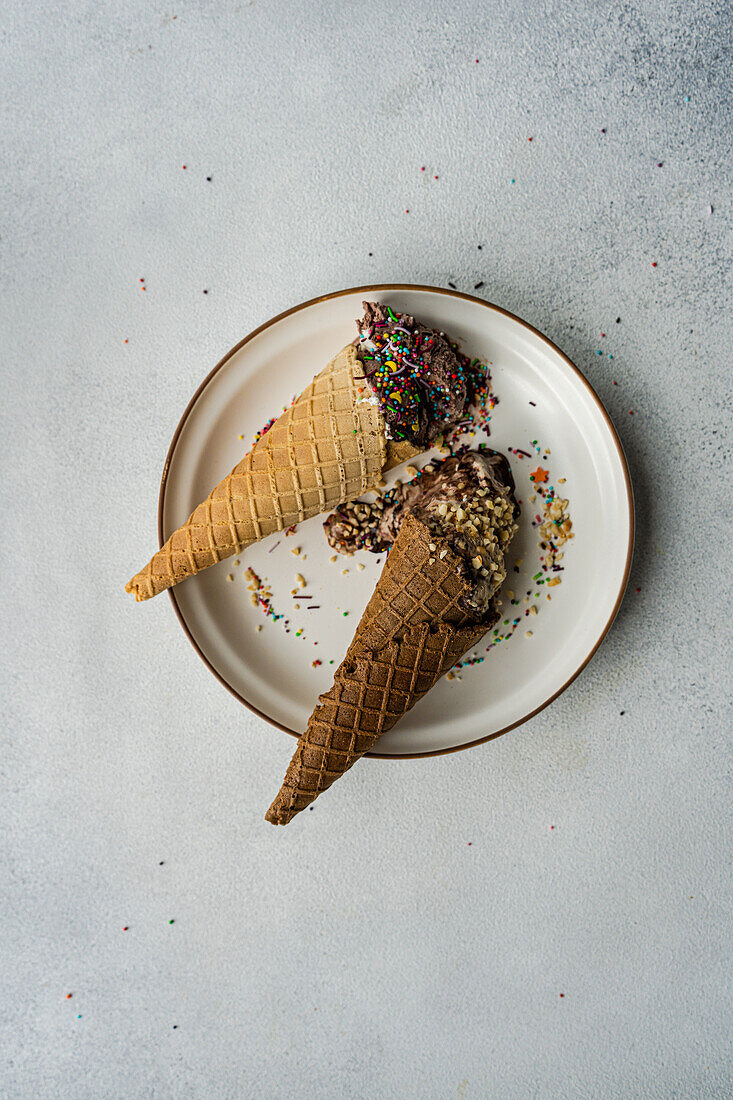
<point>367,950</point>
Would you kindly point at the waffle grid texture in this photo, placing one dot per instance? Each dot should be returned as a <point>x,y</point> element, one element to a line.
<point>413,630</point>
<point>327,448</point>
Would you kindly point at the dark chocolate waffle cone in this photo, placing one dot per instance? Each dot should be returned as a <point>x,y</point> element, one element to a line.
<point>413,630</point>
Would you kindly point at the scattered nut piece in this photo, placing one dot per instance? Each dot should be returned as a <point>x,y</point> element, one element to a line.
<point>300,580</point>
<point>360,566</point>
<point>528,634</point>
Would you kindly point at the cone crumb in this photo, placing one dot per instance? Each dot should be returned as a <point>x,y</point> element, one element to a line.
<point>300,580</point>
<point>360,566</point>
<point>296,551</point>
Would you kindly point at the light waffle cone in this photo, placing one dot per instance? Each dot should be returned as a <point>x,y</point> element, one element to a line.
<point>329,447</point>
<point>413,630</point>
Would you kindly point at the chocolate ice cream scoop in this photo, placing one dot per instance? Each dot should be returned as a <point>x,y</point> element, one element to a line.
<point>467,499</point>
<point>420,380</point>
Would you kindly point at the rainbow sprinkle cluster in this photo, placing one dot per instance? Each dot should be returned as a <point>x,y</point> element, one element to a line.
<point>264,430</point>
<point>261,595</point>
<point>483,403</point>
<point>397,364</point>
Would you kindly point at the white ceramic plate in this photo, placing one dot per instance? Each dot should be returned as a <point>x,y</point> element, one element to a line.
<point>271,671</point>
